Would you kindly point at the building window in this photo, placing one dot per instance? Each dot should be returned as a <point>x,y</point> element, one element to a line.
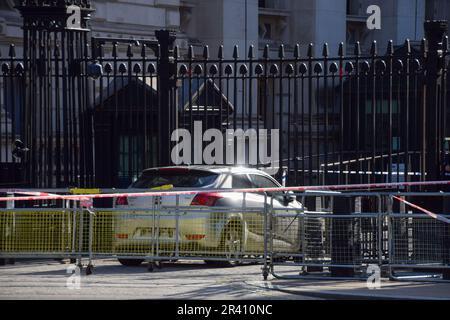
<point>272,4</point>
<point>185,19</point>
<point>356,31</point>
<point>265,31</point>
<point>354,7</point>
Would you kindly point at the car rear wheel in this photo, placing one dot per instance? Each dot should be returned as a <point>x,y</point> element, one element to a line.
<point>131,262</point>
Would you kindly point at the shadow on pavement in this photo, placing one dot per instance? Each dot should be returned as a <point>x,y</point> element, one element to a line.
<point>118,269</point>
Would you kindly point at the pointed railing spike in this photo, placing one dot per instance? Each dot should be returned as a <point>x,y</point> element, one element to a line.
<point>206,52</point>
<point>114,50</point>
<point>310,50</point>
<point>220,53</point>
<point>236,52</point>
<point>12,51</point>
<point>373,48</point>
<point>251,54</point>
<point>424,46</point>
<point>281,52</point>
<point>130,51</point>
<point>325,50</point>
<point>266,52</point>
<point>408,46</point>
<point>341,50</point>
<point>390,48</point>
<point>297,51</point>
<point>357,51</point>
<point>191,52</point>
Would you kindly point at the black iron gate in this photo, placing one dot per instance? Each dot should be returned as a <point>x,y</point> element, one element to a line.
<point>84,111</point>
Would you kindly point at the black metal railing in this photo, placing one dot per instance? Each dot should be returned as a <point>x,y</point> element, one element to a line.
<point>83,111</point>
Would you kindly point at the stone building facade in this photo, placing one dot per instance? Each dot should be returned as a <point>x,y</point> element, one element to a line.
<point>245,22</point>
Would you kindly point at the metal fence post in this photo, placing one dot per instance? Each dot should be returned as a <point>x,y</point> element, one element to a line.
<point>80,212</point>
<point>381,220</point>
<point>270,226</point>
<point>391,247</point>
<point>74,230</point>
<point>265,269</point>
<point>167,84</point>
<point>434,32</point>
<point>177,226</point>
<point>446,240</point>
<point>90,211</point>
<point>435,62</point>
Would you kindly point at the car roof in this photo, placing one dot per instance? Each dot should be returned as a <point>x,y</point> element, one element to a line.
<point>215,169</point>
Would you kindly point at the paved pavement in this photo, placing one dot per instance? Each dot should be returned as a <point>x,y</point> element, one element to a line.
<point>110,280</point>
<point>390,290</point>
<point>191,280</point>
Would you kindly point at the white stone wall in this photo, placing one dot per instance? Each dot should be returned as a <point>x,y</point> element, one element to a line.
<point>134,18</point>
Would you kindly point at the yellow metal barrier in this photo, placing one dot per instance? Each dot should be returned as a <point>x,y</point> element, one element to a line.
<point>36,232</point>
<point>182,232</point>
<point>84,191</point>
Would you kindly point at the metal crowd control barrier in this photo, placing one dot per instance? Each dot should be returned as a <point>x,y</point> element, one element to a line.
<point>419,244</point>
<point>340,234</point>
<point>331,235</point>
<point>155,233</point>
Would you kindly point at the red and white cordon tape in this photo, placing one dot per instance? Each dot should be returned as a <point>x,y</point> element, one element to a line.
<point>86,197</point>
<point>86,200</point>
<point>429,213</point>
<point>32,193</point>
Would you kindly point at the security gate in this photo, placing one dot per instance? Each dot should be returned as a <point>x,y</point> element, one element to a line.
<point>77,110</point>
